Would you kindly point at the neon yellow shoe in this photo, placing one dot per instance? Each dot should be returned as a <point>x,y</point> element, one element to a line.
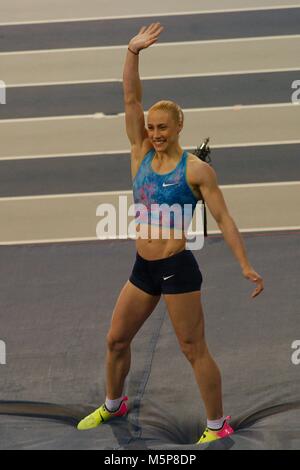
<point>209,435</point>
<point>101,415</point>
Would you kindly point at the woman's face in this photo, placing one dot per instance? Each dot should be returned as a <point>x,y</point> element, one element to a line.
<point>162,129</point>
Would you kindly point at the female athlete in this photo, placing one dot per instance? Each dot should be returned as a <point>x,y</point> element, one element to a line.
<point>163,173</point>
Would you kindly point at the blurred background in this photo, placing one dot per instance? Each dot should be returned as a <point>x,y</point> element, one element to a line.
<point>231,66</point>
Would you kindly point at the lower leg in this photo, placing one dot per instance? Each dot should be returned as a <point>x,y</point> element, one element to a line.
<point>117,368</point>
<point>209,381</point>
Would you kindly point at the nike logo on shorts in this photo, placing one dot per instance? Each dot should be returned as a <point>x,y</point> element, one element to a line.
<point>168,277</point>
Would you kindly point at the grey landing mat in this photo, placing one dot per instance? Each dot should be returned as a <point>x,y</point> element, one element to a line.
<point>55,309</point>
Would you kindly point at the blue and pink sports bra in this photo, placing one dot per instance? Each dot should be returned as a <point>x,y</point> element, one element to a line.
<point>156,196</point>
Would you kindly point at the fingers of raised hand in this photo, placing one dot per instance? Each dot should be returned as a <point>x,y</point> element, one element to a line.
<point>152,29</point>
<point>142,30</point>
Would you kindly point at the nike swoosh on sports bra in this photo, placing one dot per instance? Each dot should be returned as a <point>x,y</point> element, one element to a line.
<point>155,194</point>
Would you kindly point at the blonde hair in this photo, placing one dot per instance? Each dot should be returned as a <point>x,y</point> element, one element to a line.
<point>171,107</point>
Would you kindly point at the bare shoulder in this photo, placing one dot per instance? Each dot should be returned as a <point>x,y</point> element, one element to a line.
<point>198,171</point>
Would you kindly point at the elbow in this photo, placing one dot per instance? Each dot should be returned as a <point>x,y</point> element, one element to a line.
<point>130,98</point>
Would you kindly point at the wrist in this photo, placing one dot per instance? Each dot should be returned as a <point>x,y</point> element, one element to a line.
<point>246,267</point>
<point>133,50</point>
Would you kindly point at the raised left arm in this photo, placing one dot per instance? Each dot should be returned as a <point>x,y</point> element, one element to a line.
<point>214,199</point>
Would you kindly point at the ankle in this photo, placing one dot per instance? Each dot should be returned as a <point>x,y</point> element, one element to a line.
<point>113,405</point>
<point>216,424</point>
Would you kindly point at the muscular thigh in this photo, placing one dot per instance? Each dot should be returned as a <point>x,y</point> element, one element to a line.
<point>132,308</point>
<point>186,314</point>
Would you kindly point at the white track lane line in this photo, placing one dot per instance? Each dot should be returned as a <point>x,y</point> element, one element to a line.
<point>84,239</point>
<point>129,192</point>
<point>111,116</point>
<point>163,44</point>
<point>158,77</point>
<point>127,151</point>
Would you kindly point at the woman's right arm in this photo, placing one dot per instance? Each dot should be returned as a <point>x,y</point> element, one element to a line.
<point>132,88</point>
<point>134,114</point>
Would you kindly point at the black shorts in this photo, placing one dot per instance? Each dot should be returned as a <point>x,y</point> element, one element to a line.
<point>176,274</point>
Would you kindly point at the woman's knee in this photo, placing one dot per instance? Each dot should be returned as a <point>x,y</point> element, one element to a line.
<point>193,350</point>
<point>117,344</point>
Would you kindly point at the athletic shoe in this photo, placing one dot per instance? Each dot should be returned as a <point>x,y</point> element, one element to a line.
<point>101,415</point>
<point>209,435</point>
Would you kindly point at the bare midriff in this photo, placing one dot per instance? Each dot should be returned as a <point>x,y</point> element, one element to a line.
<point>155,246</point>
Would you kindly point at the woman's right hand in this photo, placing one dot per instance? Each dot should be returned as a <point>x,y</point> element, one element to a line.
<point>146,36</point>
